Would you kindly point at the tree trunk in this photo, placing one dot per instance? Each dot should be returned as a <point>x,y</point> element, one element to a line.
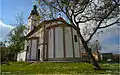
<point>93,61</point>
<point>88,50</point>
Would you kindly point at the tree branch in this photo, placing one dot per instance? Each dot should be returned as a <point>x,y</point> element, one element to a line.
<point>60,7</point>
<point>110,24</point>
<point>78,12</point>
<point>101,22</point>
<point>51,5</point>
<point>87,20</point>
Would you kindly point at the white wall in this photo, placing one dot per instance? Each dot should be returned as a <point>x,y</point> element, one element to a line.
<point>50,44</point>
<point>76,45</point>
<point>59,51</point>
<point>21,56</point>
<point>33,49</point>
<point>28,53</point>
<point>80,47</point>
<point>58,42</point>
<point>40,35</point>
<point>68,42</point>
<point>41,52</point>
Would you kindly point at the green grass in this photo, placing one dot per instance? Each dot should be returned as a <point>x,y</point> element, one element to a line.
<point>57,68</point>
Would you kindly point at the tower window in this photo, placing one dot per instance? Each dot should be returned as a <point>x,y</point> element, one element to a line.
<point>75,38</point>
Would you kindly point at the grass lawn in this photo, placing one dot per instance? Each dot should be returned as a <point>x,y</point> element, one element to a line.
<point>58,68</point>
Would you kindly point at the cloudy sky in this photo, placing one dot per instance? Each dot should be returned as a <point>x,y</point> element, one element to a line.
<point>109,40</point>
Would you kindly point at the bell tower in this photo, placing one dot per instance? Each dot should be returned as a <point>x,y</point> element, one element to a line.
<point>33,19</point>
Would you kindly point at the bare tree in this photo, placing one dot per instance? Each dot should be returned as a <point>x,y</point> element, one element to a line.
<point>91,15</point>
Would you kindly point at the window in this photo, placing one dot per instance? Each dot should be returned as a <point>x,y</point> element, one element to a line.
<point>75,38</point>
<point>49,33</point>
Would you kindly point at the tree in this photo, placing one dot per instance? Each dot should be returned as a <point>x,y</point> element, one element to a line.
<point>16,38</point>
<point>2,51</point>
<point>91,15</point>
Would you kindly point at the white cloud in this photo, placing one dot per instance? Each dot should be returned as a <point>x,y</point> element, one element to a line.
<point>5,25</point>
<point>4,30</point>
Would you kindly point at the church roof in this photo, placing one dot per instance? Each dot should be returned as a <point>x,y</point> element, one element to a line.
<point>44,23</point>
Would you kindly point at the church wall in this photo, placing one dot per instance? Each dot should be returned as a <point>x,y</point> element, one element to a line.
<point>29,48</point>
<point>58,42</point>
<point>50,44</point>
<point>68,42</point>
<point>80,47</point>
<point>25,48</point>
<point>18,57</point>
<point>76,44</point>
<point>21,56</point>
<point>45,52</point>
<point>41,36</point>
<point>41,52</point>
<point>33,49</point>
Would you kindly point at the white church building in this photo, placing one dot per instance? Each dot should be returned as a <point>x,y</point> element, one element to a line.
<point>50,40</point>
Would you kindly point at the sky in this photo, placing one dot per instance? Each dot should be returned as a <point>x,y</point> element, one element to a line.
<point>9,9</point>
<point>109,40</point>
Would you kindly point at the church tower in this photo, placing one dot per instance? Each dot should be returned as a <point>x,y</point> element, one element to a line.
<point>33,19</point>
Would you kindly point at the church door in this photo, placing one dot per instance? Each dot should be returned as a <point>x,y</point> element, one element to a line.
<point>38,54</point>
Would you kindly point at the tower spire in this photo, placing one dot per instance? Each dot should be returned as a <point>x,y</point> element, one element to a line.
<point>33,19</point>
<point>34,11</point>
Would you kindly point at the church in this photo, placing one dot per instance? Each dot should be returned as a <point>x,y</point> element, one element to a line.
<point>50,40</point>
